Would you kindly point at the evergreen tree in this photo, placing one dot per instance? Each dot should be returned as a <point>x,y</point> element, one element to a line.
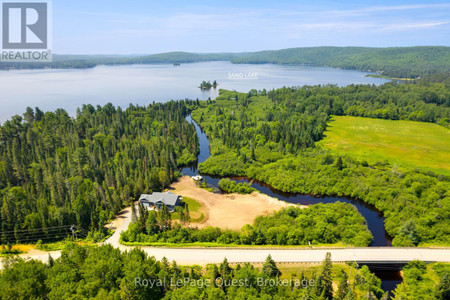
<point>226,273</point>
<point>181,215</point>
<point>143,215</point>
<point>270,268</point>
<point>225,267</point>
<point>325,287</point>
<point>133,213</point>
<point>152,223</point>
<point>212,273</point>
<point>187,215</point>
<point>164,218</point>
<point>175,270</point>
<point>339,164</point>
<point>443,288</point>
<point>51,261</point>
<point>343,287</point>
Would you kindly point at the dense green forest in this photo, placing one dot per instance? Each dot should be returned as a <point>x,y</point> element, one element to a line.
<point>406,62</point>
<point>106,273</point>
<point>56,170</point>
<point>231,186</point>
<point>318,224</point>
<point>270,136</point>
<point>421,281</point>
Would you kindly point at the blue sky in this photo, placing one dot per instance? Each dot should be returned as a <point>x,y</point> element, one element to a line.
<point>142,27</point>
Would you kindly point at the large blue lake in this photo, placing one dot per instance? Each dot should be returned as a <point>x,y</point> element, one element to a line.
<point>142,84</point>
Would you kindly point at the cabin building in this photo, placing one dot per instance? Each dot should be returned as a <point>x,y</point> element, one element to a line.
<point>156,200</point>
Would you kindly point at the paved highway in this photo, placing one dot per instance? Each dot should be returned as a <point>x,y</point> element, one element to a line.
<point>202,256</point>
<point>360,255</point>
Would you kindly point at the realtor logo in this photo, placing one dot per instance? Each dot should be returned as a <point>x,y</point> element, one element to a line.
<point>25,32</point>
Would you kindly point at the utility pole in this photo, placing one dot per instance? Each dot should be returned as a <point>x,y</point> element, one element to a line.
<point>74,235</point>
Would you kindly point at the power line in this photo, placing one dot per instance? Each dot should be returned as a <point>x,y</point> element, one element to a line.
<point>42,228</point>
<point>37,234</point>
<point>43,238</point>
<point>33,232</point>
<point>34,236</point>
<point>55,232</point>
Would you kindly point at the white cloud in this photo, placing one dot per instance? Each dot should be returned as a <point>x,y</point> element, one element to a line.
<point>413,26</point>
<point>363,11</point>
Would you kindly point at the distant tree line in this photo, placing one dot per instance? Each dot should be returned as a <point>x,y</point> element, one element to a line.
<point>394,101</point>
<point>404,62</point>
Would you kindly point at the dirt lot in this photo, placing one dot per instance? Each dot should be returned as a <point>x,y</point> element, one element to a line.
<point>227,211</point>
<point>120,218</point>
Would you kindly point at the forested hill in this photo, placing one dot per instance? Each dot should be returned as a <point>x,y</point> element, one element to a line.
<point>394,62</point>
<point>56,170</point>
<point>90,61</point>
<point>181,57</point>
<point>409,62</point>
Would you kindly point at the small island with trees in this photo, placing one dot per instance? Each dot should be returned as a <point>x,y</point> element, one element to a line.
<point>207,85</point>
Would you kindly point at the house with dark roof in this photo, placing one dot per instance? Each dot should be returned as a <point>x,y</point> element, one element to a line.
<point>156,200</point>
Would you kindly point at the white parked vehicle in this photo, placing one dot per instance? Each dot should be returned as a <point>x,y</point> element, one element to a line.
<point>197,178</point>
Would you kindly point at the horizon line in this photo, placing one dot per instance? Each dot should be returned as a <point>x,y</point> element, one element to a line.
<point>240,52</point>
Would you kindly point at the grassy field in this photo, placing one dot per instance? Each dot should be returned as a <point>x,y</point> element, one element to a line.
<point>405,143</point>
<point>196,210</point>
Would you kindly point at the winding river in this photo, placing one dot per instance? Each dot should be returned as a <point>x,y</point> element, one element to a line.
<point>374,218</point>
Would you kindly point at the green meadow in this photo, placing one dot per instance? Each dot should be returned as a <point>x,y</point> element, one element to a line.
<point>405,143</point>
<point>196,211</point>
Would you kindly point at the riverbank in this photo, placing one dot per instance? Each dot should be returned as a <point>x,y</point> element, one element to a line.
<point>374,218</point>
<point>231,211</point>
<point>401,197</point>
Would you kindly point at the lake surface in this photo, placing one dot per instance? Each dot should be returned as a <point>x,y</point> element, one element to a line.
<point>142,84</point>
